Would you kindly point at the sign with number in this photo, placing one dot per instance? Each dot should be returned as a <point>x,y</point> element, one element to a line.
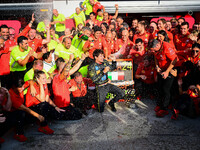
<point>123,75</point>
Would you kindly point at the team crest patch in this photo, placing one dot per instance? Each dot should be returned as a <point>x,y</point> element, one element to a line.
<point>136,55</point>
<point>143,71</point>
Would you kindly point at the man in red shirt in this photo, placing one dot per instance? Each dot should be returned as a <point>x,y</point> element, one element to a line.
<point>161,26</point>
<point>182,41</point>
<point>153,30</point>
<point>81,97</point>
<point>166,58</point>
<point>4,63</point>
<point>107,18</point>
<point>124,45</point>
<point>141,33</point>
<point>137,54</point>
<point>96,5</point>
<point>97,43</point>
<point>111,44</point>
<point>147,74</point>
<point>62,92</point>
<point>93,20</point>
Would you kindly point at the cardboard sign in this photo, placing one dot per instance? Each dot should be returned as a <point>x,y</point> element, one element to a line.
<point>123,75</point>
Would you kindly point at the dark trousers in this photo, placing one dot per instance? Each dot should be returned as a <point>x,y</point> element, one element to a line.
<point>164,86</point>
<point>146,90</point>
<point>42,109</point>
<point>13,119</point>
<point>5,81</point>
<point>71,113</point>
<point>185,105</point>
<point>83,103</point>
<point>102,92</point>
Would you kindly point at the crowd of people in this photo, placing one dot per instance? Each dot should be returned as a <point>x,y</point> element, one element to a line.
<point>49,71</point>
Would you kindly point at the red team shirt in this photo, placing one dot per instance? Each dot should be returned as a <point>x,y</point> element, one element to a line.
<point>111,46</point>
<point>165,56</point>
<point>17,99</point>
<point>150,72</point>
<point>126,47</point>
<point>144,37</point>
<point>32,101</point>
<point>61,91</point>
<point>80,91</point>
<point>137,56</point>
<point>4,61</point>
<point>182,42</point>
<point>100,43</point>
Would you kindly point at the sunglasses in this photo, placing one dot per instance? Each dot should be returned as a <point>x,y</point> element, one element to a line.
<point>195,51</point>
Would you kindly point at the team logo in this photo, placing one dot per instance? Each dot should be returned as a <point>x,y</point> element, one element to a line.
<point>143,71</point>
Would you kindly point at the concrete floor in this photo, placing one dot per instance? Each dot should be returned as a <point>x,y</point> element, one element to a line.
<point>127,129</point>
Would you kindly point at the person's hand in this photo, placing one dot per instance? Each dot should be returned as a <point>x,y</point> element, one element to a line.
<point>106,69</point>
<point>2,119</point>
<point>33,91</point>
<point>165,74</point>
<point>112,57</point>
<point>47,27</point>
<point>41,118</point>
<point>158,69</point>
<point>33,17</point>
<point>85,9</point>
<point>116,6</point>
<point>73,88</point>
<point>59,109</point>
<point>72,104</point>
<point>143,77</point>
<point>31,52</point>
<point>52,23</point>
<point>193,38</point>
<point>90,39</point>
<point>129,56</point>
<point>39,82</point>
<point>83,56</point>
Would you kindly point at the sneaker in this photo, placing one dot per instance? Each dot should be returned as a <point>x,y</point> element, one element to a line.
<point>175,114</point>
<point>20,137</point>
<point>112,105</point>
<point>162,113</point>
<point>2,140</point>
<point>157,108</point>
<point>45,130</point>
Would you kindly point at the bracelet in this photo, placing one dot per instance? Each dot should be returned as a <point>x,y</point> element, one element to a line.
<point>81,60</point>
<point>31,22</point>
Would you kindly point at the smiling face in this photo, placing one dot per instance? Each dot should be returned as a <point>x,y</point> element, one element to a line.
<point>24,45</point>
<point>184,29</point>
<point>32,34</point>
<point>5,33</point>
<point>99,59</point>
